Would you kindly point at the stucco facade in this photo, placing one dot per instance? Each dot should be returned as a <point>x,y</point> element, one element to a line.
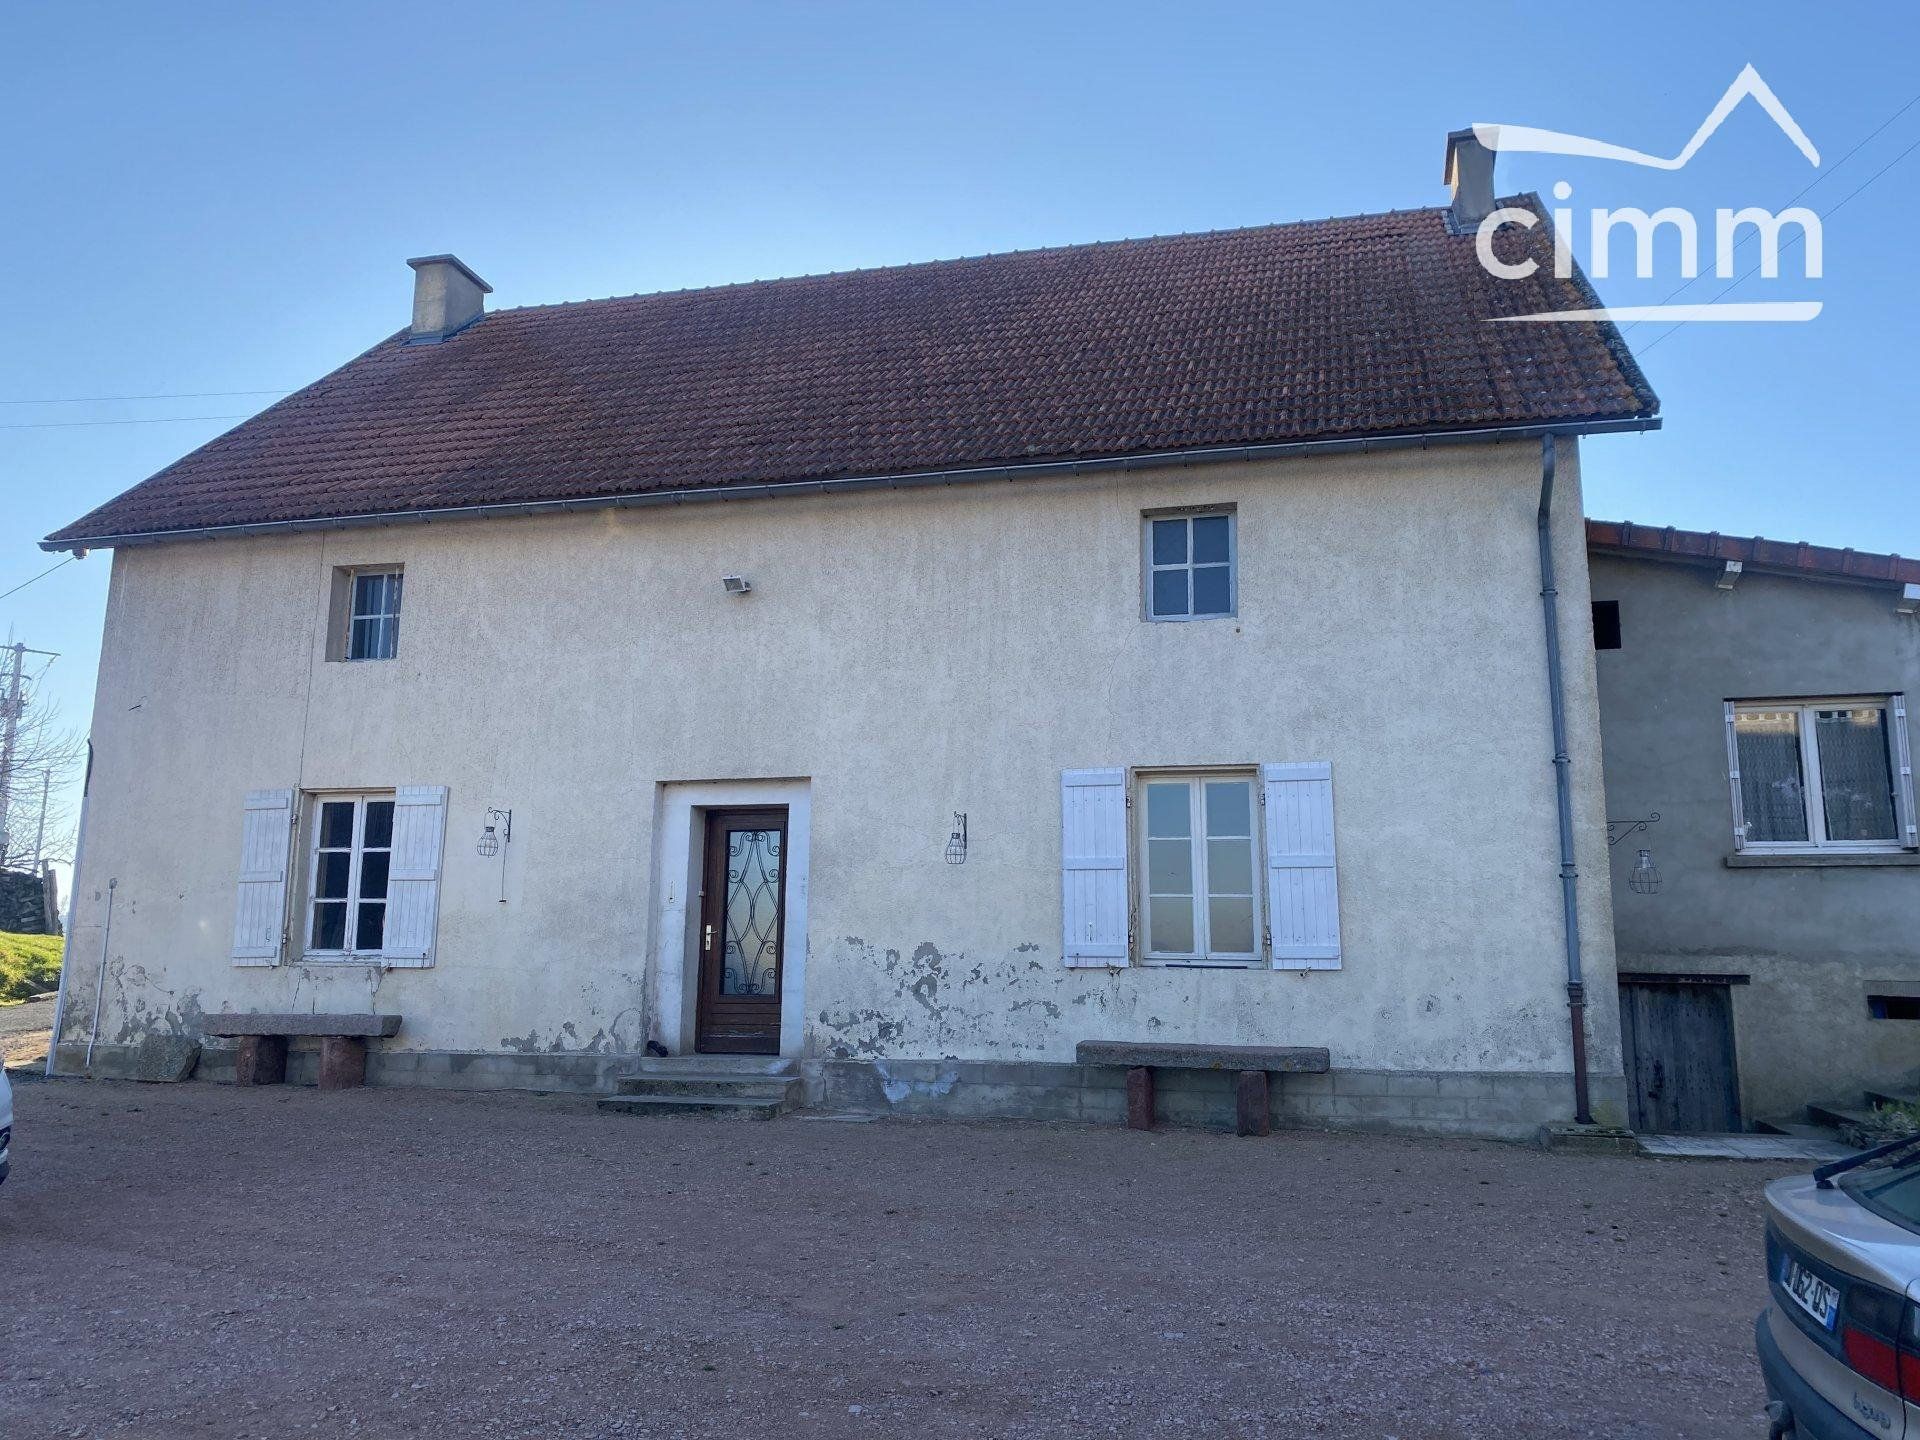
<point>1808,937</point>
<point>902,656</point>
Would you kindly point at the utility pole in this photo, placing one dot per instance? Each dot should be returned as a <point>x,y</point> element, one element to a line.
<point>8,732</point>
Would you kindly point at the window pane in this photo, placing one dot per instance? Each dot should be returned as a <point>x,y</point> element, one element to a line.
<point>361,639</point>
<point>330,925</point>
<point>1229,807</point>
<point>1212,590</point>
<point>372,595</point>
<point>331,883</point>
<point>336,823</point>
<point>1230,923</point>
<point>1169,812</point>
<point>1856,780</point>
<point>1230,867</point>
<point>1169,542</point>
<point>1772,789</point>
<point>379,825</point>
<point>1170,927</point>
<point>1170,867</point>
<point>1210,539</point>
<point>372,927</point>
<point>373,874</point>
<point>1169,592</point>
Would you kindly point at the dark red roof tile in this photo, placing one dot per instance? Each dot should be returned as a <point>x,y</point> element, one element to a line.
<point>1367,326</point>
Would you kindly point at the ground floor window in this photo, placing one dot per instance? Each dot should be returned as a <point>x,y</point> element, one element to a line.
<point>1816,775</point>
<point>1201,848</point>
<point>347,876</point>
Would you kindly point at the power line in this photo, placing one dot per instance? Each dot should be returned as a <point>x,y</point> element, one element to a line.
<point>41,576</point>
<point>1822,177</point>
<point>1798,236</point>
<point>183,395</point>
<point>156,420</point>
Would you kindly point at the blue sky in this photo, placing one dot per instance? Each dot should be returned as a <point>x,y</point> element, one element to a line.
<point>212,198</point>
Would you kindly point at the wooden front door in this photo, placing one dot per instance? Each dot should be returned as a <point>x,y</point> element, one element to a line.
<point>743,897</point>
<point>1677,1042</point>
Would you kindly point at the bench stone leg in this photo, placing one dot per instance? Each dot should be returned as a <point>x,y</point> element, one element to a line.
<point>1140,1098</point>
<point>261,1060</point>
<point>343,1062</point>
<point>1250,1096</point>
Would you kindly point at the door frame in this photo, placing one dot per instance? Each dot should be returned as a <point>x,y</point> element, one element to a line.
<point>714,893</point>
<point>679,828</point>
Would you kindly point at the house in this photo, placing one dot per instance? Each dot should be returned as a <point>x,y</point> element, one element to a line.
<point>1753,696</point>
<point>911,673</point>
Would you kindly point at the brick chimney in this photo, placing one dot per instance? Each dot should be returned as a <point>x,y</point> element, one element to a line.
<point>447,298</point>
<point>1469,179</point>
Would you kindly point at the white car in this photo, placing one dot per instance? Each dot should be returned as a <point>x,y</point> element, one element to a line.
<point>6,1123</point>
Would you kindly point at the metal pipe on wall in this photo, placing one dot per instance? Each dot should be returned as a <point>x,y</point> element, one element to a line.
<point>1563,788</point>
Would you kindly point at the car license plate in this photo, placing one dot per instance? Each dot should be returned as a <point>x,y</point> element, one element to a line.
<point>1810,1292</point>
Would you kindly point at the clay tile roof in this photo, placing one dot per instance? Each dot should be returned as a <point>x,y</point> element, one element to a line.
<point>1793,557</point>
<point>1361,327</point>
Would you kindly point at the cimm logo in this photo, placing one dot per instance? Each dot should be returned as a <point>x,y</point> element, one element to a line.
<point>1726,229</point>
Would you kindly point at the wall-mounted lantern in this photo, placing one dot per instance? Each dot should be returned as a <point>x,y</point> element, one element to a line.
<point>1643,879</point>
<point>957,841</point>
<point>497,832</point>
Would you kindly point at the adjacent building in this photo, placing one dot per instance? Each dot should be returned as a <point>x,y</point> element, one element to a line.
<point>1754,707</point>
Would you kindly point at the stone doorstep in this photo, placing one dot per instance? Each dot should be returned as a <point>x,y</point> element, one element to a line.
<point>1588,1139</point>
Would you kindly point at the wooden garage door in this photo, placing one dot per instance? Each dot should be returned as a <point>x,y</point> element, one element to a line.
<point>1677,1040</point>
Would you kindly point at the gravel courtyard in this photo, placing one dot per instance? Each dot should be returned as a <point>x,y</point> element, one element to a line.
<point>198,1260</point>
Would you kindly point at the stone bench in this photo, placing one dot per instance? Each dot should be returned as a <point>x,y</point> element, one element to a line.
<point>262,1059</point>
<point>1251,1063</point>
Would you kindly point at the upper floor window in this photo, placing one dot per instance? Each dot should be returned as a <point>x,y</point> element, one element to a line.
<point>1190,566</point>
<point>1820,774</point>
<point>373,615</point>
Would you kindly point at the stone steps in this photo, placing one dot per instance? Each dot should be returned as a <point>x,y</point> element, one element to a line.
<point>1886,1097</point>
<point>710,1108</point>
<point>769,1087</point>
<point>1797,1129</point>
<point>1838,1115</point>
<point>724,1087</point>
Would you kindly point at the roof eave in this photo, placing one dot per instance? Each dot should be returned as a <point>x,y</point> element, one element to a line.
<point>953,476</point>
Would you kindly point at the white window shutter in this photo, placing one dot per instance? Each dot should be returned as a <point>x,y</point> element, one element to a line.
<point>1733,779</point>
<point>1303,891</point>
<point>260,908</point>
<point>1093,866</point>
<point>1903,796</point>
<point>413,874</point>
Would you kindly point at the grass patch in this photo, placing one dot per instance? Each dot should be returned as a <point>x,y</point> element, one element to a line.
<point>28,964</point>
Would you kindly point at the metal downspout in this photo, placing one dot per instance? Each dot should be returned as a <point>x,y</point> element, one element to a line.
<point>1563,788</point>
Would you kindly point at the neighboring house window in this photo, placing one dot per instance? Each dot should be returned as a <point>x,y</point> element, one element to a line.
<point>347,879</point>
<point>373,617</point>
<point>1820,774</point>
<point>1190,566</point>
<point>1199,841</point>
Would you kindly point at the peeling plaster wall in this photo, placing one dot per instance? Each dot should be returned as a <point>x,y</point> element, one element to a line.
<point>909,654</point>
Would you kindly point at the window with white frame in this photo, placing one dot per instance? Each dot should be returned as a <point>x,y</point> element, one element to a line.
<point>373,615</point>
<point>352,848</point>
<point>1199,842</point>
<point>1820,774</point>
<point>1190,569</point>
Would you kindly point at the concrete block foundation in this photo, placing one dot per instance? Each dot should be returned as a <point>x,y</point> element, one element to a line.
<point>1488,1104</point>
